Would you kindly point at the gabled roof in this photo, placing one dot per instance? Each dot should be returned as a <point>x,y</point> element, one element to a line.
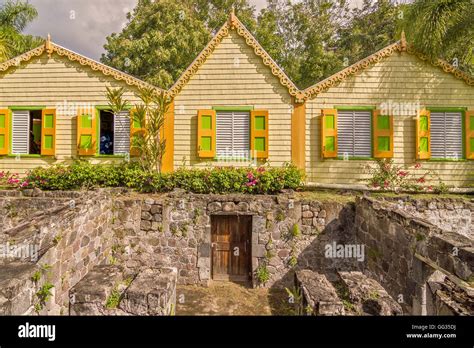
<point>50,47</point>
<point>234,24</point>
<point>400,46</point>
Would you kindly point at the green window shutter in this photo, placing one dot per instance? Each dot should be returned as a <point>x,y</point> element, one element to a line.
<point>329,135</point>
<point>469,132</point>
<point>259,133</point>
<point>382,135</point>
<point>206,137</point>
<point>423,135</point>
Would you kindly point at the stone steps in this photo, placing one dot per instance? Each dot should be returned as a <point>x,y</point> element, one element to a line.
<point>113,290</point>
<point>352,294</point>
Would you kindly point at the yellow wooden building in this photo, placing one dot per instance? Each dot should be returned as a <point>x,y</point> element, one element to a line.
<point>235,106</point>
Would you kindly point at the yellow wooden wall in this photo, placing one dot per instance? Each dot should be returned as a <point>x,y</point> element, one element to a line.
<point>401,78</point>
<point>232,76</point>
<point>49,82</point>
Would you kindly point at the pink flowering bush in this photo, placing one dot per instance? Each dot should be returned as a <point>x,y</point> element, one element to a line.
<point>8,180</point>
<point>387,176</point>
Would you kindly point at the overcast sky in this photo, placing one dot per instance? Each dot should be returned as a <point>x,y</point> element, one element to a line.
<point>83,25</point>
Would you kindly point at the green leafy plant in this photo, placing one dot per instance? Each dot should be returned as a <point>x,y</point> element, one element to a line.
<point>295,231</point>
<point>43,295</point>
<point>218,180</point>
<point>262,274</point>
<point>293,261</point>
<point>113,299</point>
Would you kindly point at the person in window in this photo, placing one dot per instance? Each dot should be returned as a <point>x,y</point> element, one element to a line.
<point>106,143</point>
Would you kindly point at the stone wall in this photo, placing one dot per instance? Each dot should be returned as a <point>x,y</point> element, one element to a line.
<point>449,214</point>
<point>175,231</point>
<point>67,241</point>
<point>404,251</point>
<point>18,206</point>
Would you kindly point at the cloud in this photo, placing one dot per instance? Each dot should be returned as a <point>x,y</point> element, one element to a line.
<point>80,25</point>
<point>83,25</point>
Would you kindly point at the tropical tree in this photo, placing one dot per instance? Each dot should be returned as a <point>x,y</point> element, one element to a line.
<point>372,26</point>
<point>443,28</point>
<point>14,17</point>
<point>147,143</point>
<point>163,37</point>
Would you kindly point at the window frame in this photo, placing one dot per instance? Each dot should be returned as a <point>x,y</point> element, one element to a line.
<point>248,109</point>
<point>98,109</point>
<point>462,110</point>
<point>10,118</point>
<point>371,109</point>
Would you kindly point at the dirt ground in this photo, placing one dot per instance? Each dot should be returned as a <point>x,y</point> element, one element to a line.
<point>227,298</point>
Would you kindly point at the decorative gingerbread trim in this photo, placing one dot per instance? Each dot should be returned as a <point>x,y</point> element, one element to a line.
<point>50,47</point>
<point>234,24</point>
<point>400,46</point>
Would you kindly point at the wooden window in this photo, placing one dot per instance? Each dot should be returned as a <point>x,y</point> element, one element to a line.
<point>48,132</point>
<point>206,139</point>
<point>86,132</point>
<point>469,131</point>
<point>232,134</point>
<point>446,135</point>
<point>259,144</point>
<point>382,126</point>
<point>354,133</point>
<point>4,131</point>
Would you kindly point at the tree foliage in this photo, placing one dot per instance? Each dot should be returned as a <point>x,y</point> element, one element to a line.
<point>150,113</point>
<point>14,17</point>
<point>443,28</point>
<point>309,39</point>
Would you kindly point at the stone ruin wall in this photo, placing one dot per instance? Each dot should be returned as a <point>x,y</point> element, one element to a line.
<point>70,239</point>
<point>175,231</point>
<point>172,231</point>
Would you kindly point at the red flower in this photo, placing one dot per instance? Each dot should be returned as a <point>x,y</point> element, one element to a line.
<point>385,184</point>
<point>402,173</point>
<point>418,166</point>
<point>260,169</point>
<point>421,180</point>
<point>430,188</point>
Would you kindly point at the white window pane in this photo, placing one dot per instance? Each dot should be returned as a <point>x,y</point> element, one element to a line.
<point>446,134</point>
<point>233,134</point>
<point>122,133</point>
<point>20,132</point>
<point>354,133</point>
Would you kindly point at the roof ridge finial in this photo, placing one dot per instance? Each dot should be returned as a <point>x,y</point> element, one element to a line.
<point>49,46</point>
<point>403,41</point>
<point>232,17</point>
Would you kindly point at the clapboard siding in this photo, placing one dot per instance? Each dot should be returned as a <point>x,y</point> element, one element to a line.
<point>401,78</point>
<point>232,76</point>
<point>51,83</point>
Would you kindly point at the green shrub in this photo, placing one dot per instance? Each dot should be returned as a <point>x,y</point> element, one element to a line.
<point>84,175</point>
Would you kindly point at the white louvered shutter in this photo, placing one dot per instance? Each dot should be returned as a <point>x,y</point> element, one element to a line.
<point>446,135</point>
<point>233,134</point>
<point>241,140</point>
<point>122,133</point>
<point>20,132</point>
<point>354,133</point>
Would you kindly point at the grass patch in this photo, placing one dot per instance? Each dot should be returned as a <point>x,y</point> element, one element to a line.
<point>337,196</point>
